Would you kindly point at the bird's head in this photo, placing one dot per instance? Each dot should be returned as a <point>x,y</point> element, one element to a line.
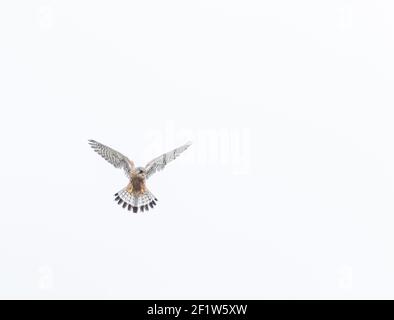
<point>140,172</point>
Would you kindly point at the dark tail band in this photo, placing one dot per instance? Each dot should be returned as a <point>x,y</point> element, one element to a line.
<point>131,207</point>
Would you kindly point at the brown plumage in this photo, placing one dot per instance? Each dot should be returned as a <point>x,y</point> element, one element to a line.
<point>137,184</point>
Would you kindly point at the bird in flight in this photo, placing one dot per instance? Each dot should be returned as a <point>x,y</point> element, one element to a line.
<point>136,195</point>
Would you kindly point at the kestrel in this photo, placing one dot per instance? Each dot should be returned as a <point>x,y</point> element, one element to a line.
<point>136,195</point>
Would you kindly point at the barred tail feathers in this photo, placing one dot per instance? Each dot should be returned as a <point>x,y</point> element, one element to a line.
<point>132,201</point>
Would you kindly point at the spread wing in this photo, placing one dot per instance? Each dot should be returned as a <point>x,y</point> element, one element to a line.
<point>114,157</point>
<point>159,163</point>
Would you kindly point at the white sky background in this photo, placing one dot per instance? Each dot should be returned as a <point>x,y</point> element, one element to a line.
<point>287,191</point>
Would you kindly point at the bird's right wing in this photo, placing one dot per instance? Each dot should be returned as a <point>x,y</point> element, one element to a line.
<point>114,157</point>
<point>160,162</point>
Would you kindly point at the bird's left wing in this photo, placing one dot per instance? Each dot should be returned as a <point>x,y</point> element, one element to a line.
<point>114,157</point>
<point>159,163</point>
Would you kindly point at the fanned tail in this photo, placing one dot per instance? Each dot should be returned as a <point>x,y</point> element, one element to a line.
<point>132,201</point>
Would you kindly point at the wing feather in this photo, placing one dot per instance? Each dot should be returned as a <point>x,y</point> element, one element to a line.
<point>160,162</point>
<point>114,157</point>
